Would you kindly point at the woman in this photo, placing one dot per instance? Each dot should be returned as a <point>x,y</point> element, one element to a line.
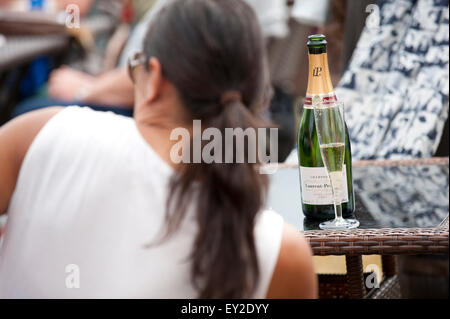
<point>97,208</point>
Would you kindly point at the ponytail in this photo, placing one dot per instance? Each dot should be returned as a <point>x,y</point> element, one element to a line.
<point>227,200</point>
<point>206,48</point>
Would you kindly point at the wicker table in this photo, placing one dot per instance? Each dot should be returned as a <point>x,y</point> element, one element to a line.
<point>403,210</point>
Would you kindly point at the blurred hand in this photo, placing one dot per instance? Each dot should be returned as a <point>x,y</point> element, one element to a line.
<point>66,84</point>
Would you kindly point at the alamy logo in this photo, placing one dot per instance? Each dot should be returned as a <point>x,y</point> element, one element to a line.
<point>73,16</point>
<point>373,20</point>
<point>73,276</point>
<point>373,279</point>
<point>223,149</point>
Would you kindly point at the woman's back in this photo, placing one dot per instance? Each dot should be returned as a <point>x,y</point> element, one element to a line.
<point>90,198</point>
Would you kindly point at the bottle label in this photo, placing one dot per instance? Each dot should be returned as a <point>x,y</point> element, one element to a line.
<point>316,187</point>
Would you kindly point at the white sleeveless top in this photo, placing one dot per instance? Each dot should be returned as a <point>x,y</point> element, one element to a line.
<point>90,195</point>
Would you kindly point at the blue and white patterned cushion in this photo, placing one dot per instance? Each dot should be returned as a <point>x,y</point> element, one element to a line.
<point>404,196</point>
<point>396,87</point>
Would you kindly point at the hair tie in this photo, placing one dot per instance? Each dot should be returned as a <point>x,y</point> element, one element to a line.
<point>230,97</point>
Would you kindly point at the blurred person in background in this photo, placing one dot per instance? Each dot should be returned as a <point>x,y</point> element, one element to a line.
<point>109,91</point>
<point>38,72</point>
<point>102,192</point>
<point>113,88</point>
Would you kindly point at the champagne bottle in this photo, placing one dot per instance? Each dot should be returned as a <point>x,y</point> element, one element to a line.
<point>317,198</point>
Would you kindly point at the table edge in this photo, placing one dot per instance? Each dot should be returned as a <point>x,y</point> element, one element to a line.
<point>383,241</point>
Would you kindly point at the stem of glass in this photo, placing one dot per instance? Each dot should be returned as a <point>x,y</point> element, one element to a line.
<point>338,211</point>
<point>337,196</point>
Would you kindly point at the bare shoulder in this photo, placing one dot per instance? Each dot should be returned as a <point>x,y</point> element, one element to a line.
<point>16,137</point>
<point>294,275</point>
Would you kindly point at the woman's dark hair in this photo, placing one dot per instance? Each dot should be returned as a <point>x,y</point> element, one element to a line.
<point>207,49</point>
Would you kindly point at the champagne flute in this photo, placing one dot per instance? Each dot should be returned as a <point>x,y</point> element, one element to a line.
<point>330,126</point>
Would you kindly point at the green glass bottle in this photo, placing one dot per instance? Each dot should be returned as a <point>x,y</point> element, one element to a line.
<point>316,192</point>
